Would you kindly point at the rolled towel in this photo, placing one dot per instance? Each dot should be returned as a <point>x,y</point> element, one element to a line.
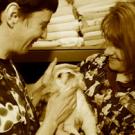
<point>96,8</point>
<point>62,19</point>
<point>74,25</point>
<point>94,15</point>
<point>94,42</point>
<point>97,4</point>
<point>62,3</point>
<point>93,22</point>
<point>44,43</point>
<point>92,35</point>
<point>71,41</point>
<point>61,34</point>
<point>96,21</point>
<point>64,42</point>
<point>78,3</point>
<point>90,28</point>
<point>63,11</point>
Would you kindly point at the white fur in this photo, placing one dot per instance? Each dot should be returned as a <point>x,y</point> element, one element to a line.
<point>82,117</point>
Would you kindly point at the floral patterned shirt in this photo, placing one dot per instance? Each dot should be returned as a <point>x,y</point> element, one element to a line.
<point>113,102</point>
<point>17,115</point>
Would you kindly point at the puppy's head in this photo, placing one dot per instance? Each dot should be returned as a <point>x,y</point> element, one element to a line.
<point>65,77</point>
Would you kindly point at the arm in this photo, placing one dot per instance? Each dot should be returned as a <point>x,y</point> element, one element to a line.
<point>59,108</point>
<point>47,128</point>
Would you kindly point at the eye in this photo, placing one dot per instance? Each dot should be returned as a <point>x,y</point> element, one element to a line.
<point>60,75</point>
<point>44,25</point>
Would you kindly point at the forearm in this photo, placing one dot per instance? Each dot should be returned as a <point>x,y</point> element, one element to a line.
<point>48,127</point>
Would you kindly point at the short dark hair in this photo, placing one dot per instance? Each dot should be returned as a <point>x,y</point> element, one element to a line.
<point>29,6</point>
<point>118,27</point>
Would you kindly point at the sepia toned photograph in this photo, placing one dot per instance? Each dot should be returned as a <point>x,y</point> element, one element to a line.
<point>67,67</point>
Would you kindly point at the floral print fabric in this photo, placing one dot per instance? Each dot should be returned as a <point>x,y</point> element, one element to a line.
<point>17,116</point>
<point>111,101</point>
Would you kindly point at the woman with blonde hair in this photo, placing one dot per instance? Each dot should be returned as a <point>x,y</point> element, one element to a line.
<point>110,77</point>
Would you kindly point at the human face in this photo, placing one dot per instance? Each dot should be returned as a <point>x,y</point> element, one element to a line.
<point>116,57</point>
<point>29,30</point>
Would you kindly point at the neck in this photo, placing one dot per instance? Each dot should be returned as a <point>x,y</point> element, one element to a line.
<point>121,77</point>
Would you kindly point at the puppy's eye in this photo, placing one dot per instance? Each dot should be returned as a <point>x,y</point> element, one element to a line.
<point>60,75</point>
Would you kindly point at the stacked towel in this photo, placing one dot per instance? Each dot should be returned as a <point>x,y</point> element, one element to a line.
<point>77,23</point>
<point>91,14</point>
<point>62,29</point>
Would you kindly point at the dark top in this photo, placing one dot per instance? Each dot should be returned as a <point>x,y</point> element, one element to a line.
<point>17,114</point>
<point>113,102</point>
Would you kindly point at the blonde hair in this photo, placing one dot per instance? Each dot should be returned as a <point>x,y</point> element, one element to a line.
<point>118,27</point>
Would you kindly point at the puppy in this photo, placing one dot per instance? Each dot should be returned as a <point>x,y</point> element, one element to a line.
<point>82,117</point>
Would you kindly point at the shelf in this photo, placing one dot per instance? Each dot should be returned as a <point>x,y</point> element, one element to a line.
<point>69,48</point>
<point>64,54</point>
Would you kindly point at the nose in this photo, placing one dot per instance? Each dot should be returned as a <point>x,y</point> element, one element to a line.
<point>109,50</point>
<point>44,34</point>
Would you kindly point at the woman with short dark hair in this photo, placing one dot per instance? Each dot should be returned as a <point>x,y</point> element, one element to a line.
<point>21,23</point>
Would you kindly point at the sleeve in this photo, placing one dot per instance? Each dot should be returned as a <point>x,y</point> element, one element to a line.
<point>93,69</point>
<point>131,106</point>
<point>128,101</point>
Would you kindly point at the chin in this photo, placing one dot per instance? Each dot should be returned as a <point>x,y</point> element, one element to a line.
<point>116,68</point>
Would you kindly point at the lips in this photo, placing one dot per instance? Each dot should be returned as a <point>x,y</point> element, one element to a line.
<point>115,59</point>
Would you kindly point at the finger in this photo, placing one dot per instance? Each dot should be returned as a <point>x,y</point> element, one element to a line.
<point>55,95</point>
<point>64,115</point>
<point>72,104</point>
<point>67,111</point>
<point>69,103</point>
<point>51,66</point>
<point>70,91</point>
<point>70,100</point>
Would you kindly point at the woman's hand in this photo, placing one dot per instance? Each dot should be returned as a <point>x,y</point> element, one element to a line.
<point>61,105</point>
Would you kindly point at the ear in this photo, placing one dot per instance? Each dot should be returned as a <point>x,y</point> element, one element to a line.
<point>12,14</point>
